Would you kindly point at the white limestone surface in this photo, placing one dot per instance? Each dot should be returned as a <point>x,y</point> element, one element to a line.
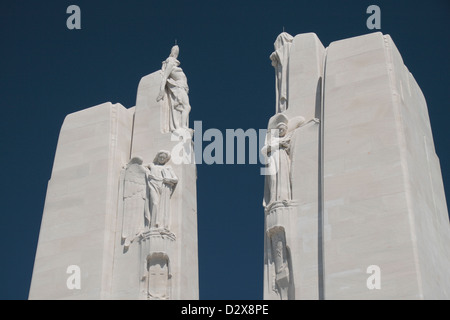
<point>366,187</point>
<point>384,198</point>
<point>78,222</point>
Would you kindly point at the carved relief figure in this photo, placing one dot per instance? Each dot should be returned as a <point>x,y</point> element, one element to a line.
<point>280,61</point>
<point>174,85</point>
<point>162,183</point>
<point>277,150</point>
<point>280,258</point>
<point>135,200</point>
<point>158,278</point>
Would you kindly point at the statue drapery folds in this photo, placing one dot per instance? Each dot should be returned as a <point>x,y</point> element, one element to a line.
<point>174,86</point>
<point>280,61</point>
<point>146,196</point>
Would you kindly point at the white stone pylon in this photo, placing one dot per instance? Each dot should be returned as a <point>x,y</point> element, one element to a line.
<point>297,216</point>
<point>367,191</point>
<point>121,205</point>
<point>79,220</point>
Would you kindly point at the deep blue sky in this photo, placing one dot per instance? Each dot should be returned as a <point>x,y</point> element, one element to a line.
<point>48,71</point>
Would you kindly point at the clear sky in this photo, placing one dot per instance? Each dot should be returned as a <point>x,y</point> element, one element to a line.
<point>48,71</point>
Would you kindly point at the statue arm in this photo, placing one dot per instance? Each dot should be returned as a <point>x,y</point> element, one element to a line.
<point>150,175</point>
<point>166,73</point>
<point>266,150</point>
<point>286,144</point>
<point>276,145</point>
<point>274,58</point>
<point>173,180</point>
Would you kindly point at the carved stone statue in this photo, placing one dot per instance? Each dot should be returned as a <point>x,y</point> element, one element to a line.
<point>158,277</point>
<point>277,148</point>
<point>280,61</point>
<point>135,200</point>
<point>162,183</point>
<point>174,85</point>
<point>281,260</point>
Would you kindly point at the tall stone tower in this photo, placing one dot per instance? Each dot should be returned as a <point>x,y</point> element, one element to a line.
<point>354,204</point>
<point>120,216</point>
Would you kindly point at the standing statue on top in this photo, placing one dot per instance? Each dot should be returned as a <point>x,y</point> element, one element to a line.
<point>280,61</point>
<point>174,85</point>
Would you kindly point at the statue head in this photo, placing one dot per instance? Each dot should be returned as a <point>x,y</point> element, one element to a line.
<point>282,129</point>
<point>136,160</point>
<point>279,122</point>
<point>162,157</point>
<point>282,39</point>
<point>174,51</point>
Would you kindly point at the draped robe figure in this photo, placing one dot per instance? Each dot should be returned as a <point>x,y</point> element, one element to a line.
<point>280,61</point>
<point>162,183</point>
<point>174,85</point>
<point>277,151</point>
<point>135,200</point>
